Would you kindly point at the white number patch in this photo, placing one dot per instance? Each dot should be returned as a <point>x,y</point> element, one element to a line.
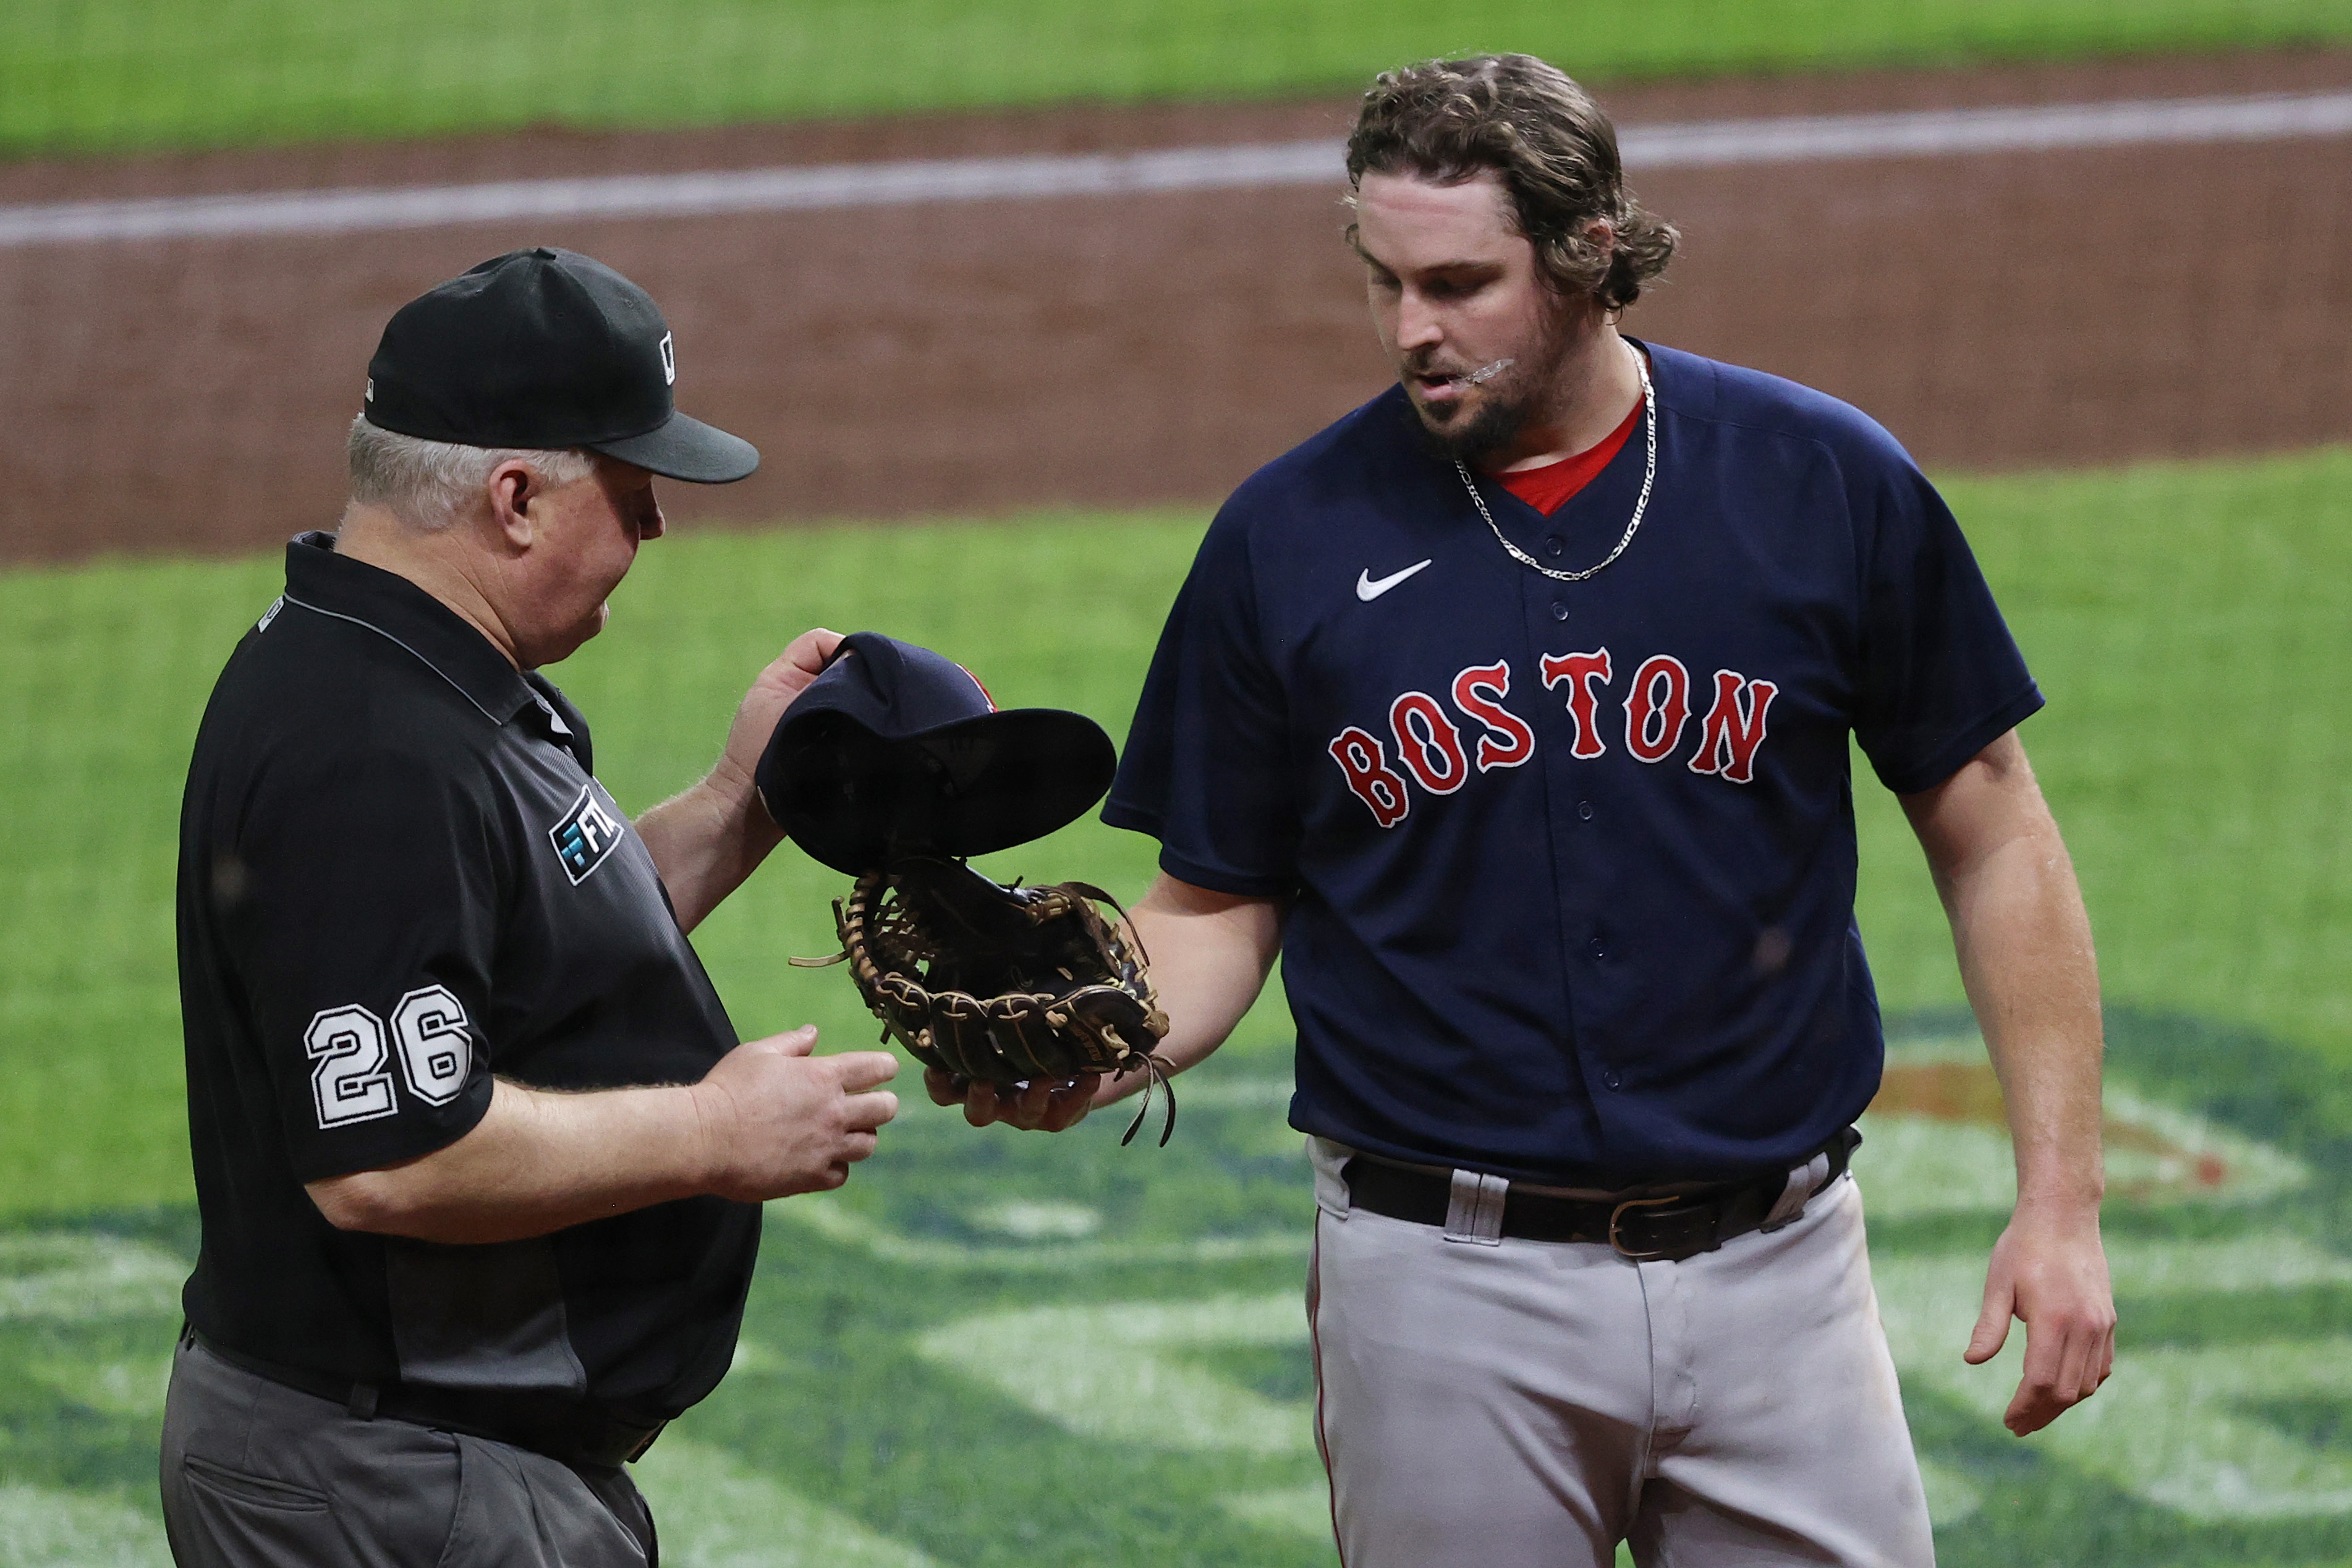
<point>350,1083</point>
<point>353,1080</point>
<point>435,1049</point>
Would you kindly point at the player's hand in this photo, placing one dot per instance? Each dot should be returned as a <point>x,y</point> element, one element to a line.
<point>1041,1107</point>
<point>2049,1272</point>
<point>776,1120</point>
<point>771,692</point>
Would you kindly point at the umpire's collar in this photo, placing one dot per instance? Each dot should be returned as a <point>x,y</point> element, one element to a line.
<point>390,605</point>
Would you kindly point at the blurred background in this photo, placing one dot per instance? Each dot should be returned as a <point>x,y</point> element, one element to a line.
<point>1010,295</point>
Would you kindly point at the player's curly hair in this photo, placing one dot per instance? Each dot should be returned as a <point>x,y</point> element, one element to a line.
<point>1555,149</point>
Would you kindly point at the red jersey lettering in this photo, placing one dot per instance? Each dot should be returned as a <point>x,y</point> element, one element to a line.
<point>1507,741</point>
<point>1728,742</point>
<point>1658,707</point>
<point>1580,670</point>
<point>1428,742</point>
<point>1376,784</point>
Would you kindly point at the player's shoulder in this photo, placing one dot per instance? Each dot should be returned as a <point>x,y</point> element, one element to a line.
<point>1740,403</point>
<point>1361,462</point>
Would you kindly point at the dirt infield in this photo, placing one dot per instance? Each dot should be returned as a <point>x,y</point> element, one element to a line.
<point>1995,310</point>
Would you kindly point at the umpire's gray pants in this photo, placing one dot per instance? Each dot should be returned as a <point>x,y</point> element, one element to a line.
<point>1528,1405</point>
<point>259,1475</point>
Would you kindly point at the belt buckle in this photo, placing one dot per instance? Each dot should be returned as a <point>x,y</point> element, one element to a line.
<point>1617,1218</point>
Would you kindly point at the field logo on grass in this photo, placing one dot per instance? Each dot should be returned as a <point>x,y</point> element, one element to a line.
<point>2212,1424</point>
<point>2183,1427</point>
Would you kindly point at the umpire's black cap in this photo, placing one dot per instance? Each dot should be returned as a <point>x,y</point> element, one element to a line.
<point>545,349</point>
<point>896,750</point>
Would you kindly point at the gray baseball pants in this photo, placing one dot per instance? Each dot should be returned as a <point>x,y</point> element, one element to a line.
<point>257,1475</point>
<point>1517,1403</point>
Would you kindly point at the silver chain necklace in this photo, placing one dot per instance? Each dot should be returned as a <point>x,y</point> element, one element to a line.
<point>1649,476</point>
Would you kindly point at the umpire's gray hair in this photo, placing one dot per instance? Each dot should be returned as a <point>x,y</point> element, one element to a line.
<point>428,484</point>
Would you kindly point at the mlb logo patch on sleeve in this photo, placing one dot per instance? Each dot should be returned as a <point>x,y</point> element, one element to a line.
<point>585,836</point>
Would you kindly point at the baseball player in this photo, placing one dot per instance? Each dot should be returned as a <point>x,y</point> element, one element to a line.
<point>479,1158</point>
<point>1513,710</point>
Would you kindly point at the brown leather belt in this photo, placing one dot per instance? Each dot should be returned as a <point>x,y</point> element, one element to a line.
<point>1665,1228</point>
<point>576,1431</point>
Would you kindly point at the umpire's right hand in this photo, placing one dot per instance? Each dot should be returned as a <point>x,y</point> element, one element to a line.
<point>776,1120</point>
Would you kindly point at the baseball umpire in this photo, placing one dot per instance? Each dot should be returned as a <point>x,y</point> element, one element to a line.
<point>477,1157</point>
<point>1513,710</point>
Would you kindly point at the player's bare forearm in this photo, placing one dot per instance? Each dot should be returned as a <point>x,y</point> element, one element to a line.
<point>2023,942</point>
<point>2024,946</point>
<point>707,840</point>
<point>768,1121</point>
<point>1210,954</point>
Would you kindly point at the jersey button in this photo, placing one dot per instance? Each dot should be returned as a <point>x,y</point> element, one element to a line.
<point>1553,544</point>
<point>1609,1080</point>
<point>1559,610</point>
<point>1584,811</point>
<point>1597,951</point>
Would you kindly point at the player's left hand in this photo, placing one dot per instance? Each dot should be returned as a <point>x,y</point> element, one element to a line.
<point>771,692</point>
<point>2049,1272</point>
<point>1040,1108</point>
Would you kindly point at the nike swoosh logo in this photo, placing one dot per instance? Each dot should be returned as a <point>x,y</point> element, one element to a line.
<point>1368,591</point>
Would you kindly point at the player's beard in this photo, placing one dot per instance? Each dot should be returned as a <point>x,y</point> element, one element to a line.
<point>1490,418</point>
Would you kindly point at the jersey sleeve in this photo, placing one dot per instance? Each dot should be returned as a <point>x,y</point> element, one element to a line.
<point>362,895</point>
<point>1206,770</point>
<point>1941,677</point>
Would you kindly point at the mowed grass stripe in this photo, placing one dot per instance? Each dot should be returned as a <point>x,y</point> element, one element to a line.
<point>102,75</point>
<point>2185,621</point>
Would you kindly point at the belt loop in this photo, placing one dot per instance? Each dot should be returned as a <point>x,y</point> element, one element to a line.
<point>1334,1188</point>
<point>362,1401</point>
<point>1807,1179</point>
<point>1804,1181</point>
<point>1473,1210</point>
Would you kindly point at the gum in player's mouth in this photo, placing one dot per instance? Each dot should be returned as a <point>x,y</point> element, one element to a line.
<point>1453,382</point>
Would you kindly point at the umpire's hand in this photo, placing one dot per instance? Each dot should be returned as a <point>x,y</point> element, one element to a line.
<point>776,1120</point>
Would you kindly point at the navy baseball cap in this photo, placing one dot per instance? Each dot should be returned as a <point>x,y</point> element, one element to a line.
<point>896,750</point>
<point>545,349</point>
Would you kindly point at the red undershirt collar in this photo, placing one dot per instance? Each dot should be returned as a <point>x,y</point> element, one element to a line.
<point>1551,487</point>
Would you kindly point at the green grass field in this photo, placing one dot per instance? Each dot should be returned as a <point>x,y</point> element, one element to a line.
<point>110,75</point>
<point>890,1407</point>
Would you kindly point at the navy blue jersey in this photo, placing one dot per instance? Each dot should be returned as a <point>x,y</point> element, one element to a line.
<point>1571,865</point>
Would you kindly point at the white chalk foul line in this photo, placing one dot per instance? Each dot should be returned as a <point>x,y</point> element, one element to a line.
<point>1942,132</point>
<point>1697,144</point>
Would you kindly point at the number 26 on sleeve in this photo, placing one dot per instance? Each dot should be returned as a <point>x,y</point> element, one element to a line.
<point>351,1080</point>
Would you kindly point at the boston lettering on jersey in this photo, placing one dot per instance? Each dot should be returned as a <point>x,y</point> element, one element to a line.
<point>1567,868</point>
<point>1657,710</point>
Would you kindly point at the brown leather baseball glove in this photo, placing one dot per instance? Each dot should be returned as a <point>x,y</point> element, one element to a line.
<point>1009,985</point>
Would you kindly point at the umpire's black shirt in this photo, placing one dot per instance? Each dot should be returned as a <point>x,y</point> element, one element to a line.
<point>399,876</point>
